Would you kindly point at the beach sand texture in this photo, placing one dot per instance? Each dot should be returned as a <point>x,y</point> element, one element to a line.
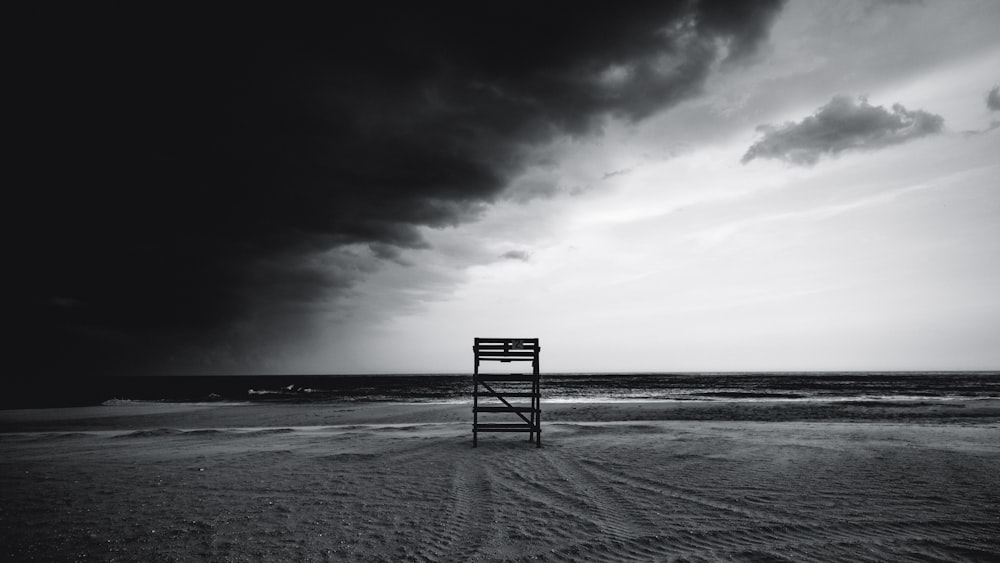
<point>613,482</point>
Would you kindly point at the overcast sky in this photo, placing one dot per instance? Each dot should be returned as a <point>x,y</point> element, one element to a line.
<point>653,186</point>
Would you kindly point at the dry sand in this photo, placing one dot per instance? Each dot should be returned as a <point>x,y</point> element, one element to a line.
<point>376,482</point>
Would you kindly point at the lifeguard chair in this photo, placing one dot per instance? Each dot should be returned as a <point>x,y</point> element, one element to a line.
<point>497,388</point>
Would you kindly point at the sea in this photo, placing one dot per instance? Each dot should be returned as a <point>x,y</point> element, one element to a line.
<point>457,388</point>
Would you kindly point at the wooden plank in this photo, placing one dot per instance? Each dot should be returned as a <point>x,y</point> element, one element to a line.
<point>495,356</point>
<point>500,356</point>
<point>506,340</point>
<point>499,348</point>
<point>506,409</point>
<point>505,394</point>
<point>482,427</point>
<point>513,378</point>
<point>486,402</point>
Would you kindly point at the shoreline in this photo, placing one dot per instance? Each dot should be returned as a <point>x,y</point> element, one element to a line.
<point>147,415</point>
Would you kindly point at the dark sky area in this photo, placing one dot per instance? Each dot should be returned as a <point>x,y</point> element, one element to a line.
<point>189,181</point>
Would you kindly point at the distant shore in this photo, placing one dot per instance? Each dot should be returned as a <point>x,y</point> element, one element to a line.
<point>710,480</point>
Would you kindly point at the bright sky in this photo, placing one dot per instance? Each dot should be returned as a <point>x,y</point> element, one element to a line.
<point>659,250</point>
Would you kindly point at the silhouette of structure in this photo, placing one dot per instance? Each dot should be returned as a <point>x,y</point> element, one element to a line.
<point>497,388</point>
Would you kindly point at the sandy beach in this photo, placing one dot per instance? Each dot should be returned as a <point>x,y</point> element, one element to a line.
<point>400,482</point>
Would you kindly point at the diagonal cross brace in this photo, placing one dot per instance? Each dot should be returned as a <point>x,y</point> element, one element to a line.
<point>504,401</point>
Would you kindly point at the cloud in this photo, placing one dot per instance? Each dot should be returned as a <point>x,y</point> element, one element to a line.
<point>619,172</point>
<point>842,125</point>
<point>521,255</point>
<point>993,99</point>
<point>191,181</point>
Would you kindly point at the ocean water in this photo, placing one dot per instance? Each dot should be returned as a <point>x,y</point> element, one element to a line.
<point>457,388</point>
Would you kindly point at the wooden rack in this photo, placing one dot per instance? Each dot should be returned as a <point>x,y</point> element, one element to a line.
<point>497,388</point>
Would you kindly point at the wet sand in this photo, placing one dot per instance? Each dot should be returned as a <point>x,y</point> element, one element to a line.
<point>613,482</point>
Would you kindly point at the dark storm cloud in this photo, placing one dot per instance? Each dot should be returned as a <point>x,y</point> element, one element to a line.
<point>188,179</point>
<point>993,99</point>
<point>842,125</point>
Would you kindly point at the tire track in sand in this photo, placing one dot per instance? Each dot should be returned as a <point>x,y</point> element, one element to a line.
<point>646,487</point>
<point>794,531</point>
<point>626,530</point>
<point>463,531</point>
<point>848,543</point>
<point>628,534</point>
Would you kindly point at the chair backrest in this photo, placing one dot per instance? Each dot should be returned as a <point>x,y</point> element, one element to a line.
<point>507,349</point>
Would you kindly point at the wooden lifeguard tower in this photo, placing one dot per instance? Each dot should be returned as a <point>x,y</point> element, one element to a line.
<point>497,388</point>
